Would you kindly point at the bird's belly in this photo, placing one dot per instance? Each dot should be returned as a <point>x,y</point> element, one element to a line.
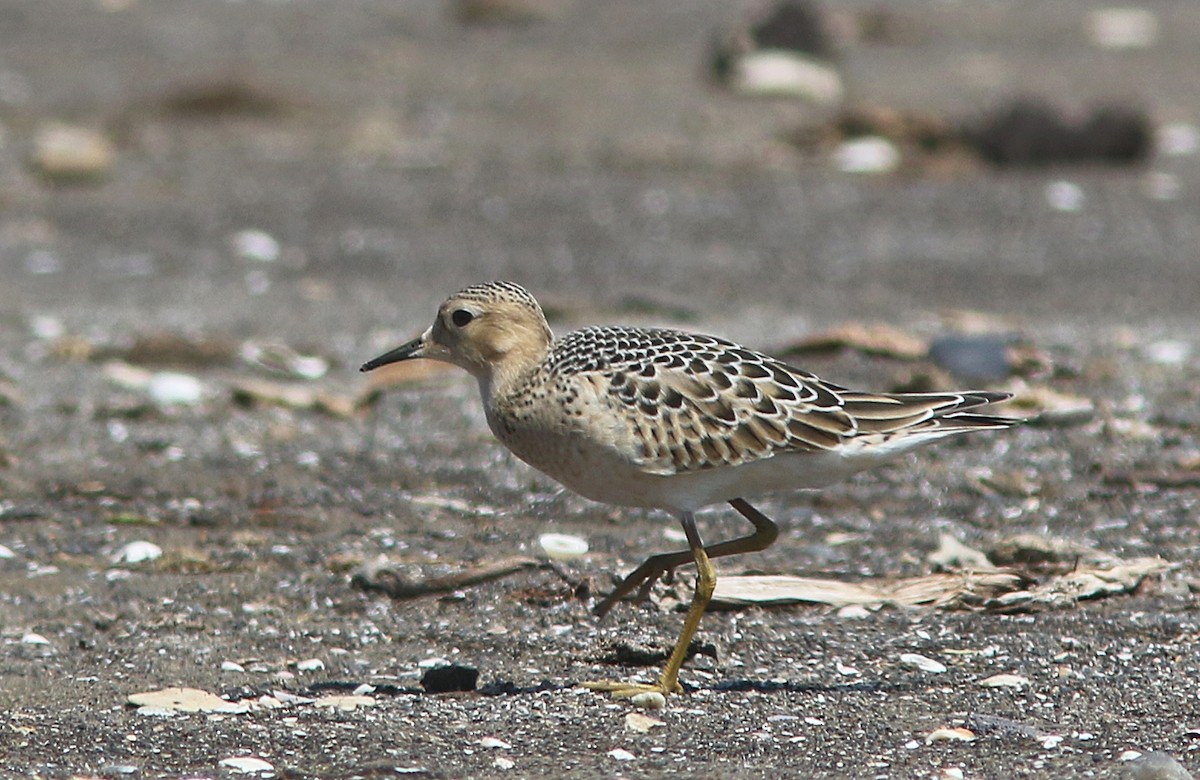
<point>607,475</point>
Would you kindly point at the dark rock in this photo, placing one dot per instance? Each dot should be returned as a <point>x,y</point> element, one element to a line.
<point>450,679</point>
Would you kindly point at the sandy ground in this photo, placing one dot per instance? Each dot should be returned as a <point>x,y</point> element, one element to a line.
<point>396,155</point>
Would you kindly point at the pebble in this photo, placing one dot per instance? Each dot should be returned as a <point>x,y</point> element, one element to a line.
<point>138,552</point>
<point>1122,28</point>
<point>34,639</point>
<point>6,553</point>
<point>648,700</point>
<point>451,678</point>
<point>256,245</point>
<point>65,152</point>
<point>491,743</point>
<point>854,612</point>
<point>563,547</point>
<point>1168,352</point>
<point>973,358</point>
<point>1178,139</point>
<point>504,763</point>
<point>621,754</point>
<point>868,154</point>
<point>641,724</point>
<point>1005,681</point>
<point>246,764</point>
<point>46,327</point>
<point>310,665</point>
<point>924,663</point>
<point>1065,196</point>
<point>171,388</point>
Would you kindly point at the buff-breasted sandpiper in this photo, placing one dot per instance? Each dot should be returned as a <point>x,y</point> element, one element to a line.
<point>675,421</point>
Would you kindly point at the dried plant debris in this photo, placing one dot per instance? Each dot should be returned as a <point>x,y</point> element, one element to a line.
<point>261,392</point>
<point>869,338</point>
<point>1020,574</point>
<point>398,581</point>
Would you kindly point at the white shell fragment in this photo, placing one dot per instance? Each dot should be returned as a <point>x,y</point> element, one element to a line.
<point>310,665</point>
<point>246,765</point>
<point>1005,681</point>
<point>344,703</point>
<point>641,724</point>
<point>563,547</point>
<point>170,388</point>
<point>491,743</point>
<point>186,700</point>
<point>621,754</point>
<point>924,663</point>
<point>256,245</point>
<point>869,154</point>
<point>950,735</point>
<point>138,552</point>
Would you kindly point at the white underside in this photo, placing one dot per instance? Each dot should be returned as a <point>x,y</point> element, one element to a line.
<point>600,478</point>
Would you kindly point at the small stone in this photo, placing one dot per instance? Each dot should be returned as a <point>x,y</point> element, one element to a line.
<point>170,388</point>
<point>1005,681</point>
<point>641,724</point>
<point>1178,139</point>
<point>924,663</point>
<point>563,547</point>
<point>310,665</point>
<point>246,765</point>
<point>868,154</point>
<point>952,773</point>
<point>648,700</point>
<point>973,358</point>
<point>449,679</point>
<point>1051,741</point>
<point>502,762</point>
<point>491,743</point>
<point>1122,28</point>
<point>1065,196</point>
<point>1168,352</point>
<point>256,245</point>
<point>6,553</point>
<point>63,152</point>
<point>232,666</point>
<point>620,754</point>
<point>138,552</point>
<point>854,612</point>
<point>950,735</point>
<point>34,639</point>
<point>780,73</point>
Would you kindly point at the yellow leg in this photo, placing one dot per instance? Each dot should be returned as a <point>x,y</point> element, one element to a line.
<point>644,576</point>
<point>706,582</point>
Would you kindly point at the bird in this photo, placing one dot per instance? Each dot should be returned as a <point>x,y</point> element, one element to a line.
<point>675,421</point>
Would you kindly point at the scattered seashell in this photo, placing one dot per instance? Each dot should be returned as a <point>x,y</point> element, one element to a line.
<point>138,552</point>
<point>641,724</point>
<point>620,754</point>
<point>246,765</point>
<point>1004,681</point>
<point>950,735</point>
<point>924,663</point>
<point>563,547</point>
<point>491,743</point>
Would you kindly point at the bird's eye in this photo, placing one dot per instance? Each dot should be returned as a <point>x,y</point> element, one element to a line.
<point>461,317</point>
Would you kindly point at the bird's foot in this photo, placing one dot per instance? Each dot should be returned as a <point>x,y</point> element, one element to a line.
<point>620,689</point>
